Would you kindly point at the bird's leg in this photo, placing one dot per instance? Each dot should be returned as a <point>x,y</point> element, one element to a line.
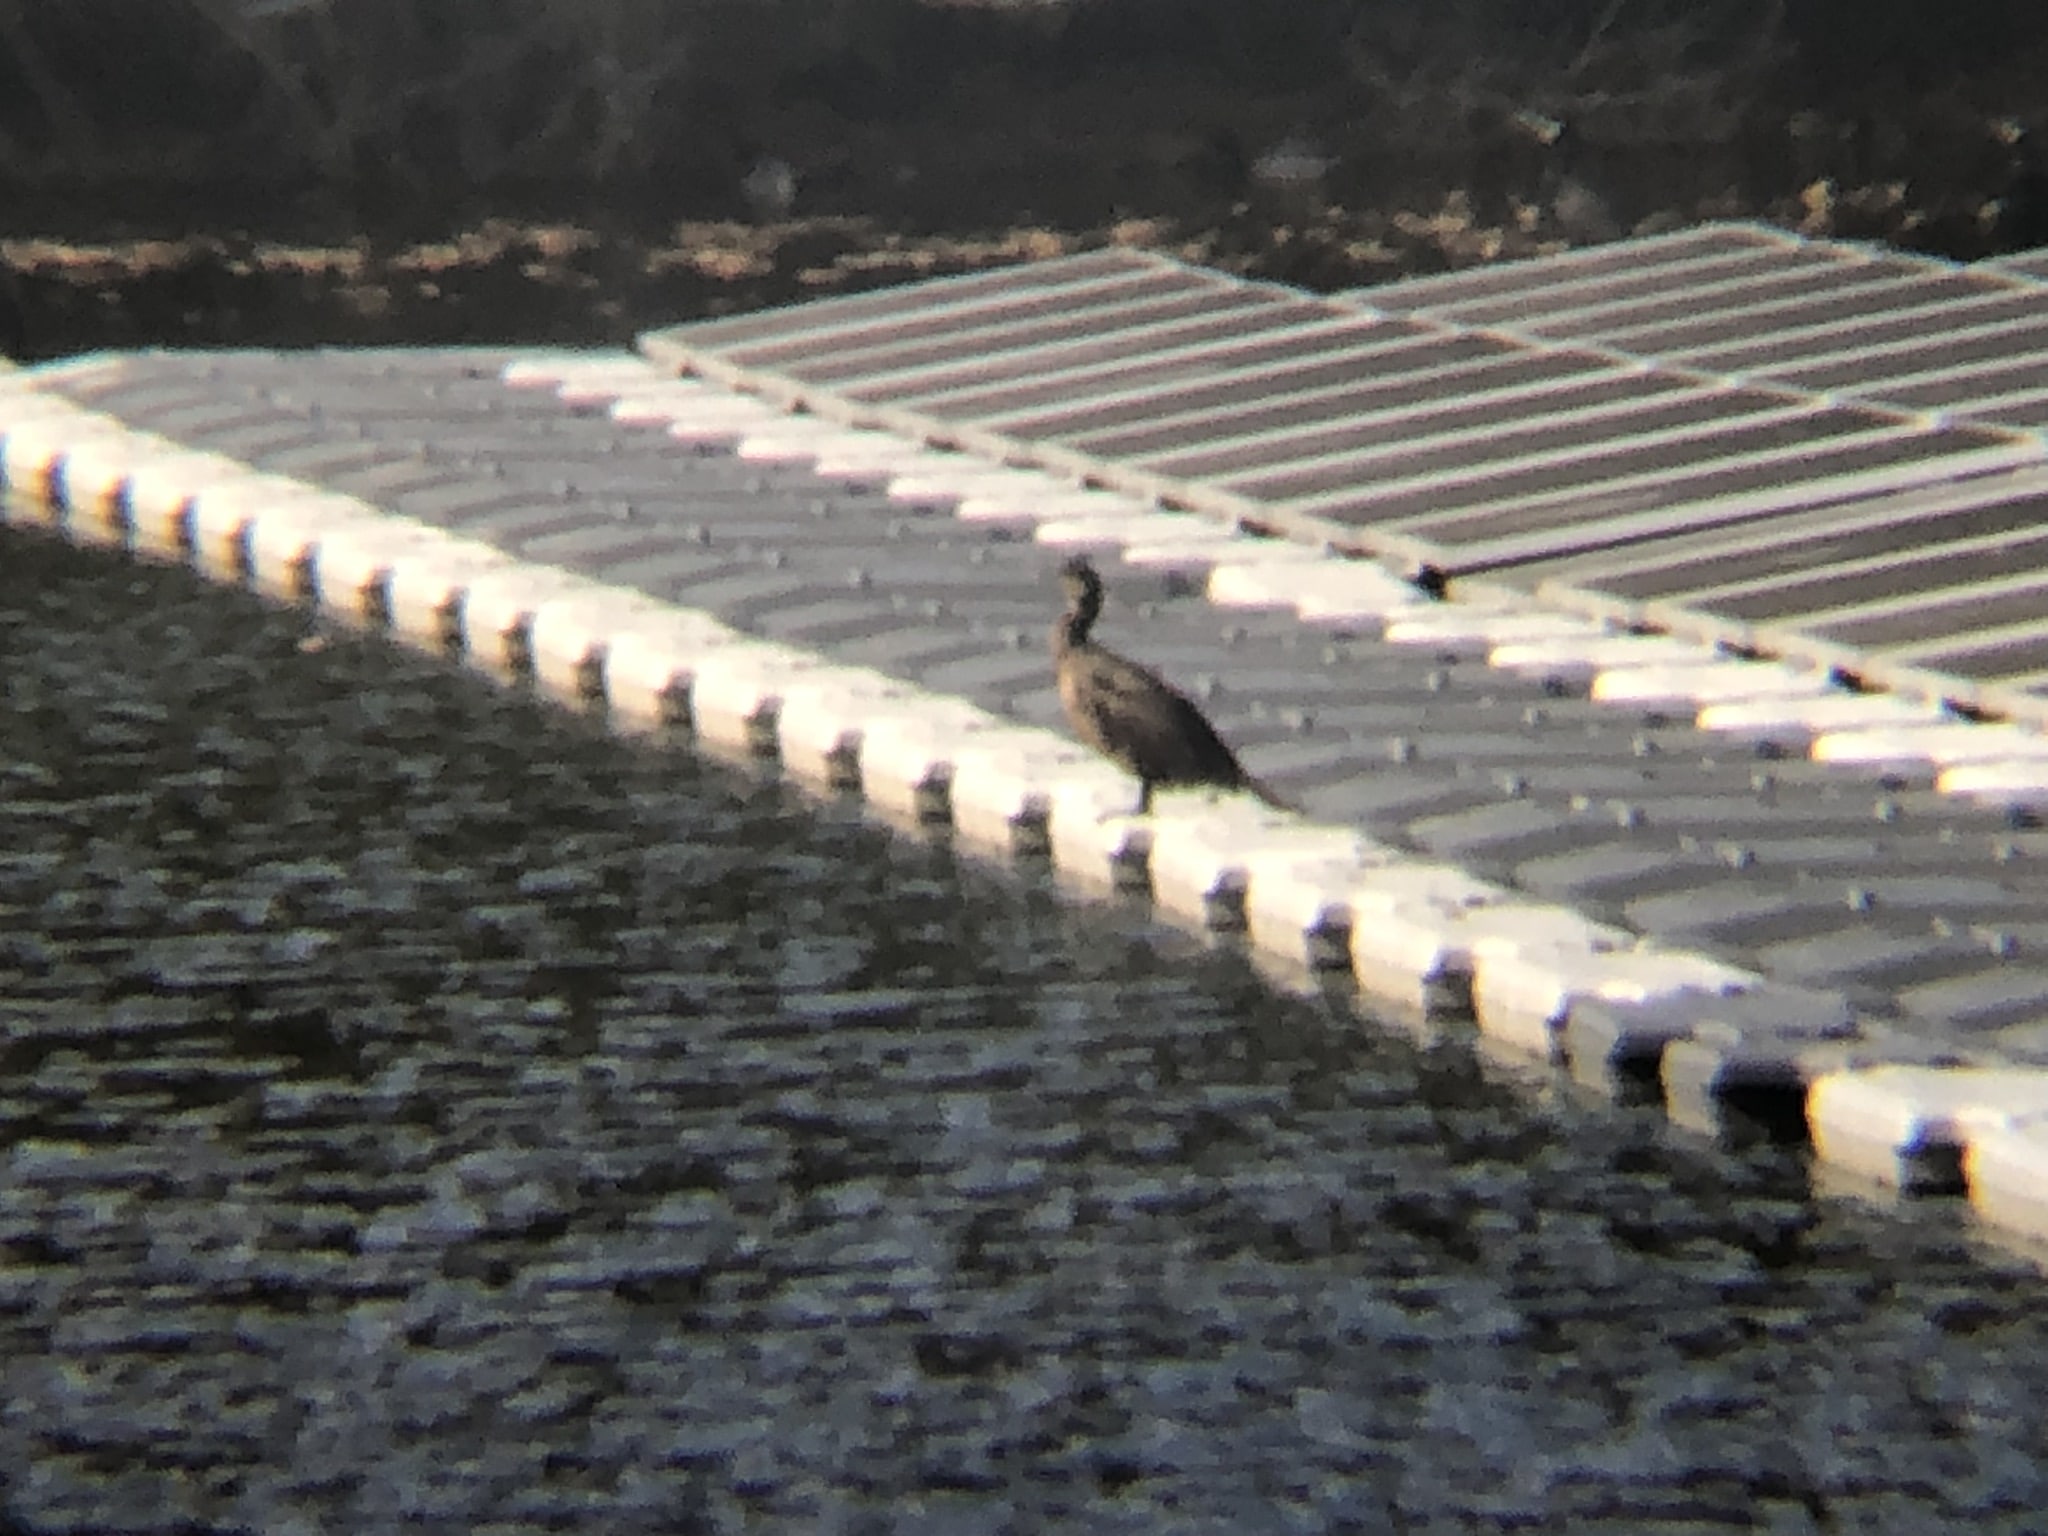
<point>1144,803</point>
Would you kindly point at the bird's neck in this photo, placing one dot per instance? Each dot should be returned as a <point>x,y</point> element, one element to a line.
<point>1071,632</point>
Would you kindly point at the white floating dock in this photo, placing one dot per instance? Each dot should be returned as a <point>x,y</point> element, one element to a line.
<point>764,674</point>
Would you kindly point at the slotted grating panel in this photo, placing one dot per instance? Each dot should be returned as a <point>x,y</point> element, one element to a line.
<point>1665,312</point>
<point>1655,264</point>
<point>1885,533</point>
<point>1891,342</point>
<point>2030,264</point>
<point>1318,375</point>
<point>1418,437</point>
<point>1923,587</point>
<point>1904,331</point>
<point>1933,589</point>
<point>1767,333</point>
<point>1009,286</point>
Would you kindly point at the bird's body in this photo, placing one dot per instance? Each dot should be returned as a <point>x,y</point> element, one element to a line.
<point>1131,715</point>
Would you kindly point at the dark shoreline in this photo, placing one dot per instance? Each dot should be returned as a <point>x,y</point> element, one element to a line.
<point>228,200</point>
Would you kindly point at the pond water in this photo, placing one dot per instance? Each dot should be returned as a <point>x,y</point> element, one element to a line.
<point>420,1108</point>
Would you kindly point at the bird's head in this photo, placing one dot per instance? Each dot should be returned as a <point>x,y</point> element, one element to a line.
<point>1084,599</point>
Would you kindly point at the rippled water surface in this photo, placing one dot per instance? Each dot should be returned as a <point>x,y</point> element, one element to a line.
<point>418,1109</point>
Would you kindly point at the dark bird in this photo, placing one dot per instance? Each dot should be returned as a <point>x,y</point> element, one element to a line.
<point>1128,714</point>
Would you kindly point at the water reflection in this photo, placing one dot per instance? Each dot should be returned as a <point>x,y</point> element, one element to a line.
<point>418,1106</point>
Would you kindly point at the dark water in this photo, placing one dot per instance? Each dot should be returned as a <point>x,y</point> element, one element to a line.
<point>420,1110</point>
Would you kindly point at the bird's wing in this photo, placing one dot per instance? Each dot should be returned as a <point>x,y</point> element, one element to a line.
<point>1152,727</point>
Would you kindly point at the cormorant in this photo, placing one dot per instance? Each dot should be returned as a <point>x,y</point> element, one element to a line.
<point>1128,714</point>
